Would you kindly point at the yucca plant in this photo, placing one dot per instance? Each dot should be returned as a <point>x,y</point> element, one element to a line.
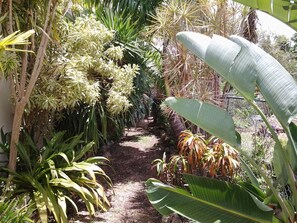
<point>56,175</point>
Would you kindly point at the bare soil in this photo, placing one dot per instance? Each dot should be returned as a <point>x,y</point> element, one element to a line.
<point>131,162</point>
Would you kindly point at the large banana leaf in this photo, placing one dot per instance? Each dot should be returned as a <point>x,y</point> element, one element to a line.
<point>207,116</point>
<point>284,10</point>
<point>245,65</point>
<point>209,201</point>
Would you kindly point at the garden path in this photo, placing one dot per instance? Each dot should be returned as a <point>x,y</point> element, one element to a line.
<point>131,161</point>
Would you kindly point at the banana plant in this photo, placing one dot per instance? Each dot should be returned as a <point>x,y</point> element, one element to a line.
<point>247,68</point>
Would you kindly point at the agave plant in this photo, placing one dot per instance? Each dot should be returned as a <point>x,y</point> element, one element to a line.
<point>53,176</point>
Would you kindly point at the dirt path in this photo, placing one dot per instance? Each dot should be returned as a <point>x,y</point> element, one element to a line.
<point>131,160</point>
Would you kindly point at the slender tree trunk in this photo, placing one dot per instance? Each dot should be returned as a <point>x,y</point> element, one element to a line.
<point>15,135</point>
<point>22,98</point>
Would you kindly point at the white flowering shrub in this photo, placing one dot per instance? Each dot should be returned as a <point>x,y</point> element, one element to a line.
<point>86,65</point>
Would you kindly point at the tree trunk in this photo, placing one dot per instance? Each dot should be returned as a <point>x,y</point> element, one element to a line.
<point>15,135</point>
<point>177,124</point>
<point>20,91</point>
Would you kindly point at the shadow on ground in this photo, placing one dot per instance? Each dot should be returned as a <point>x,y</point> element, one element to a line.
<point>131,162</point>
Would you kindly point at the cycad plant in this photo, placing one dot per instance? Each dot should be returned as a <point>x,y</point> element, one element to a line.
<point>55,176</point>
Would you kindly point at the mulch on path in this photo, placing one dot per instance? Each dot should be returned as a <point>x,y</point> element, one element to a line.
<point>131,161</point>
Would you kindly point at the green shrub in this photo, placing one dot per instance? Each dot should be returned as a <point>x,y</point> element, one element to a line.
<point>53,176</point>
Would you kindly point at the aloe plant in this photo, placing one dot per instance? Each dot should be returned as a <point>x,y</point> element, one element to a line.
<point>57,173</point>
<point>246,67</point>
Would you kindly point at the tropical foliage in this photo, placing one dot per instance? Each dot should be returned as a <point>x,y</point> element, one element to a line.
<point>234,59</point>
<point>15,211</point>
<point>208,200</point>
<point>212,158</point>
<point>88,67</point>
<point>54,177</point>
<point>26,70</point>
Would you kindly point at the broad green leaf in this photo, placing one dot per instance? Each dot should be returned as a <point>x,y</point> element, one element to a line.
<point>209,201</point>
<point>292,132</point>
<point>284,10</point>
<point>279,166</point>
<point>249,172</point>
<point>245,65</point>
<point>207,116</point>
<point>256,191</point>
<point>275,83</point>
